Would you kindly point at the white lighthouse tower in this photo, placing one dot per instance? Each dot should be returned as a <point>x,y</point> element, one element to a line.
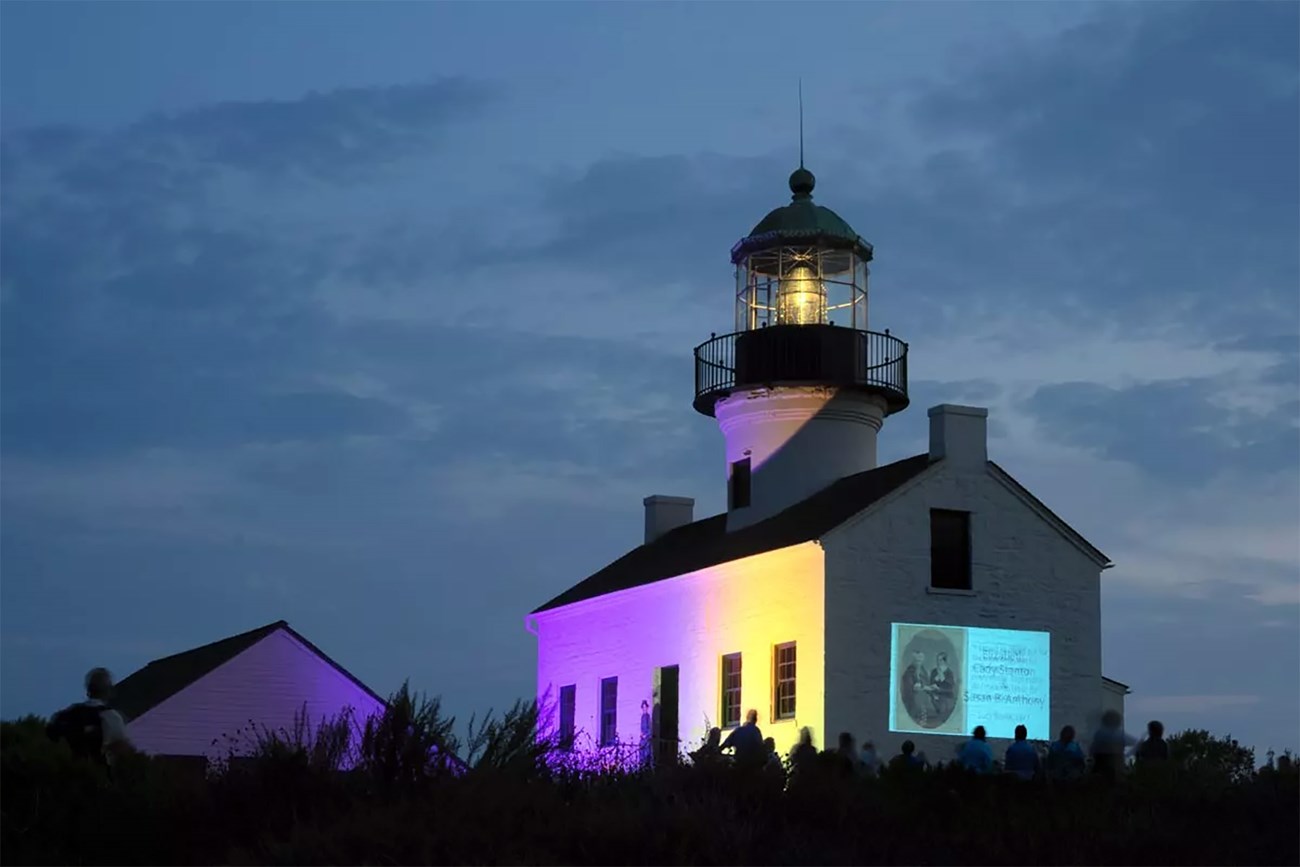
<point>802,386</point>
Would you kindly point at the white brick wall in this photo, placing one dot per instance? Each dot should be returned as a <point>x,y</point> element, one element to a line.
<point>268,683</point>
<point>745,606</point>
<point>1026,575</point>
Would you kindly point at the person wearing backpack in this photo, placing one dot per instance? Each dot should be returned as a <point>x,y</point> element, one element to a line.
<point>92,728</point>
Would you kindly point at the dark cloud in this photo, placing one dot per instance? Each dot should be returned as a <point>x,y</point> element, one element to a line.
<point>1282,344</point>
<point>1162,149</point>
<point>1171,429</point>
<point>1138,170</point>
<point>1234,654</point>
<point>670,219</point>
<point>341,135</point>
<point>133,319</point>
<point>309,458</point>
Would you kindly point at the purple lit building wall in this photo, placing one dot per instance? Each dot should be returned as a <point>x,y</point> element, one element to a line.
<point>266,684</point>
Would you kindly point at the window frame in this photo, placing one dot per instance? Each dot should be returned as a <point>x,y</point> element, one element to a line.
<point>568,716</point>
<point>951,566</point>
<point>609,713</point>
<point>728,692</point>
<point>779,715</point>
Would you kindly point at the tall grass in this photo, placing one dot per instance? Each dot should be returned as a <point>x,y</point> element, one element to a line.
<point>405,788</point>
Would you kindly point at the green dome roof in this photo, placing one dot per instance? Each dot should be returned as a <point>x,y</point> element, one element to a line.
<point>801,222</point>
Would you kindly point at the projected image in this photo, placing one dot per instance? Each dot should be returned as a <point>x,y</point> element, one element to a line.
<point>949,679</point>
<point>929,686</point>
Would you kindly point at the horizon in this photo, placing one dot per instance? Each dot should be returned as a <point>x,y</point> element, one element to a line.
<point>362,327</point>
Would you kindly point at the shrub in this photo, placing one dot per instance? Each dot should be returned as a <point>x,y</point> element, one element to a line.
<point>298,796</point>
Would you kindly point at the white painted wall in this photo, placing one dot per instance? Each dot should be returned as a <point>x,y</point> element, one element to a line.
<point>799,440</point>
<point>267,683</point>
<point>1026,575</point>
<point>1112,695</point>
<point>745,606</point>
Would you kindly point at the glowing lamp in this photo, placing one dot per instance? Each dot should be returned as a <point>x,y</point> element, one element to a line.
<point>801,298</point>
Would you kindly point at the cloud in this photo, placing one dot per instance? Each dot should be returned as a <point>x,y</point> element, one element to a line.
<point>341,135</point>
<point>176,324</point>
<point>1172,428</point>
<point>1149,704</point>
<point>306,358</point>
<point>1181,113</point>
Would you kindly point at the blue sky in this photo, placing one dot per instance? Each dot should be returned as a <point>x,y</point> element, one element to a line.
<point>378,318</point>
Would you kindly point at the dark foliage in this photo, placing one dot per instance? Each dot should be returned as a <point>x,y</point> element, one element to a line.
<point>392,792</point>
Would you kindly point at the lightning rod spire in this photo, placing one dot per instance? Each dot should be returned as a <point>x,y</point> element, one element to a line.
<point>800,123</point>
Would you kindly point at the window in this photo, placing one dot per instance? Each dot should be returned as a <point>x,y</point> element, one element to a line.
<point>568,698</point>
<point>783,694</point>
<point>950,549</point>
<point>738,489</point>
<point>731,690</point>
<point>608,711</point>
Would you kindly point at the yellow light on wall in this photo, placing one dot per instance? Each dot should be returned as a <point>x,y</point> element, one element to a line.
<point>801,298</point>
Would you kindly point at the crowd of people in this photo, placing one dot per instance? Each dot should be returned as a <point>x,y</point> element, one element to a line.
<point>1063,760</point>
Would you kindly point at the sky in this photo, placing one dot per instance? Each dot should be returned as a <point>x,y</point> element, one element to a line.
<point>378,318</point>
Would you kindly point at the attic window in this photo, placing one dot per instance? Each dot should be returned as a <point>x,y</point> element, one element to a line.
<point>738,489</point>
<point>950,556</point>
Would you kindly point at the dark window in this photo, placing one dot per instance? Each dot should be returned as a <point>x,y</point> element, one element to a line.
<point>731,690</point>
<point>950,549</point>
<point>739,486</point>
<point>568,699</point>
<point>608,711</point>
<point>783,697</point>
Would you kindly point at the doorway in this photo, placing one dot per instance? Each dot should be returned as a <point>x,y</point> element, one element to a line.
<point>666,736</point>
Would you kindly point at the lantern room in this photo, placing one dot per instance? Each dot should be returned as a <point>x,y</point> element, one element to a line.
<point>801,311</point>
<point>801,265</point>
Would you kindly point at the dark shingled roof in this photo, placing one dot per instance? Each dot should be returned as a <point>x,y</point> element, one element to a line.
<point>707,543</point>
<point>163,678</point>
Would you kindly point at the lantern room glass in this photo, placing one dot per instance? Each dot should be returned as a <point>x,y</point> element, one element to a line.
<point>801,285</point>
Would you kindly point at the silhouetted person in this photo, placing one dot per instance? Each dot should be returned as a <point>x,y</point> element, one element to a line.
<point>1109,744</point>
<point>846,755</point>
<point>907,759</point>
<point>711,750</point>
<point>976,754</point>
<point>803,758</point>
<point>92,728</point>
<point>868,761</point>
<point>747,741</point>
<point>1021,759</point>
<point>1154,748</point>
<point>772,765</point>
<point>1065,759</point>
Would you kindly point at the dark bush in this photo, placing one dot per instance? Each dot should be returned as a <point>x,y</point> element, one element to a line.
<point>391,791</point>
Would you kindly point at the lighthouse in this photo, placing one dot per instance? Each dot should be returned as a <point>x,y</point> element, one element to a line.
<point>801,387</point>
<point>912,600</point>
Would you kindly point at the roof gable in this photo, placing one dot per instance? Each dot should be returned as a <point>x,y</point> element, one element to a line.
<point>163,678</point>
<point>706,542</point>
<point>1071,534</point>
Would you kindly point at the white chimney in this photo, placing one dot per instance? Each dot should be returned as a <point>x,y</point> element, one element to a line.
<point>959,435</point>
<point>664,513</point>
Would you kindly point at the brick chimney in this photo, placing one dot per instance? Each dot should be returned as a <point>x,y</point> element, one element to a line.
<point>663,513</point>
<point>959,435</point>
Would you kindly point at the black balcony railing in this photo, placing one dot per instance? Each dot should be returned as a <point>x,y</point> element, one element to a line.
<point>802,354</point>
